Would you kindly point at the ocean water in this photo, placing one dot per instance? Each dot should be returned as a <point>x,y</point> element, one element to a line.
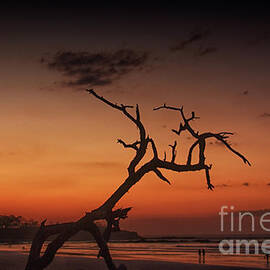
<point>175,251</point>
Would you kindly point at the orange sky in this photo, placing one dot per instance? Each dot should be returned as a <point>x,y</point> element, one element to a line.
<point>59,156</point>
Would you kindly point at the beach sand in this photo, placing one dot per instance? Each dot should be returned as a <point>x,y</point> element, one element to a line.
<point>10,260</point>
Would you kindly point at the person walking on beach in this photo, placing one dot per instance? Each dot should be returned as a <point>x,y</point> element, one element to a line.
<point>203,253</point>
<point>267,259</point>
<point>200,255</point>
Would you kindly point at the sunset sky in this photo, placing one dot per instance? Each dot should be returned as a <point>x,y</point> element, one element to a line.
<point>59,157</point>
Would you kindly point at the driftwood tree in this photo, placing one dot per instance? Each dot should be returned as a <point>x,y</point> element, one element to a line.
<point>38,260</point>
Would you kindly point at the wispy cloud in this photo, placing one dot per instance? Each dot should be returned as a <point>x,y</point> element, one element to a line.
<point>246,184</point>
<point>207,50</point>
<point>192,38</point>
<point>195,41</point>
<point>219,143</point>
<point>93,69</point>
<point>264,115</point>
<point>223,186</point>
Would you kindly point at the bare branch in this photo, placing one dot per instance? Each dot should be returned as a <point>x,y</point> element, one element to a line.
<point>186,125</point>
<point>225,135</point>
<point>121,108</point>
<point>179,167</point>
<point>186,121</point>
<point>200,141</point>
<point>154,148</point>
<point>111,220</point>
<point>133,145</point>
<point>201,150</point>
<point>143,143</point>
<point>121,213</point>
<point>192,116</point>
<point>164,106</point>
<point>106,234</point>
<point>180,129</point>
<point>161,176</point>
<point>208,181</point>
<point>173,151</point>
<point>220,137</point>
<point>105,253</point>
<point>234,151</point>
<point>138,113</point>
<point>66,230</point>
<point>190,152</point>
<point>126,106</point>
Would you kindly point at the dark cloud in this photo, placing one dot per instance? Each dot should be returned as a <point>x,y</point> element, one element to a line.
<point>195,42</point>
<point>246,184</point>
<point>268,184</point>
<point>203,51</point>
<point>92,69</point>
<point>223,186</point>
<point>245,93</point>
<point>219,143</point>
<point>193,37</point>
<point>264,115</point>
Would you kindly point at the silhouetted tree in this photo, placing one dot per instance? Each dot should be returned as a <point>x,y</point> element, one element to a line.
<point>12,221</point>
<point>29,223</point>
<point>136,171</point>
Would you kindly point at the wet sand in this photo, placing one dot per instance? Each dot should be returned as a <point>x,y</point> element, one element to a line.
<point>11,260</point>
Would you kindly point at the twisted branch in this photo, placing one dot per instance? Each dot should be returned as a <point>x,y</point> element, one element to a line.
<point>161,176</point>
<point>133,145</point>
<point>135,173</point>
<point>173,151</point>
<point>200,141</point>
